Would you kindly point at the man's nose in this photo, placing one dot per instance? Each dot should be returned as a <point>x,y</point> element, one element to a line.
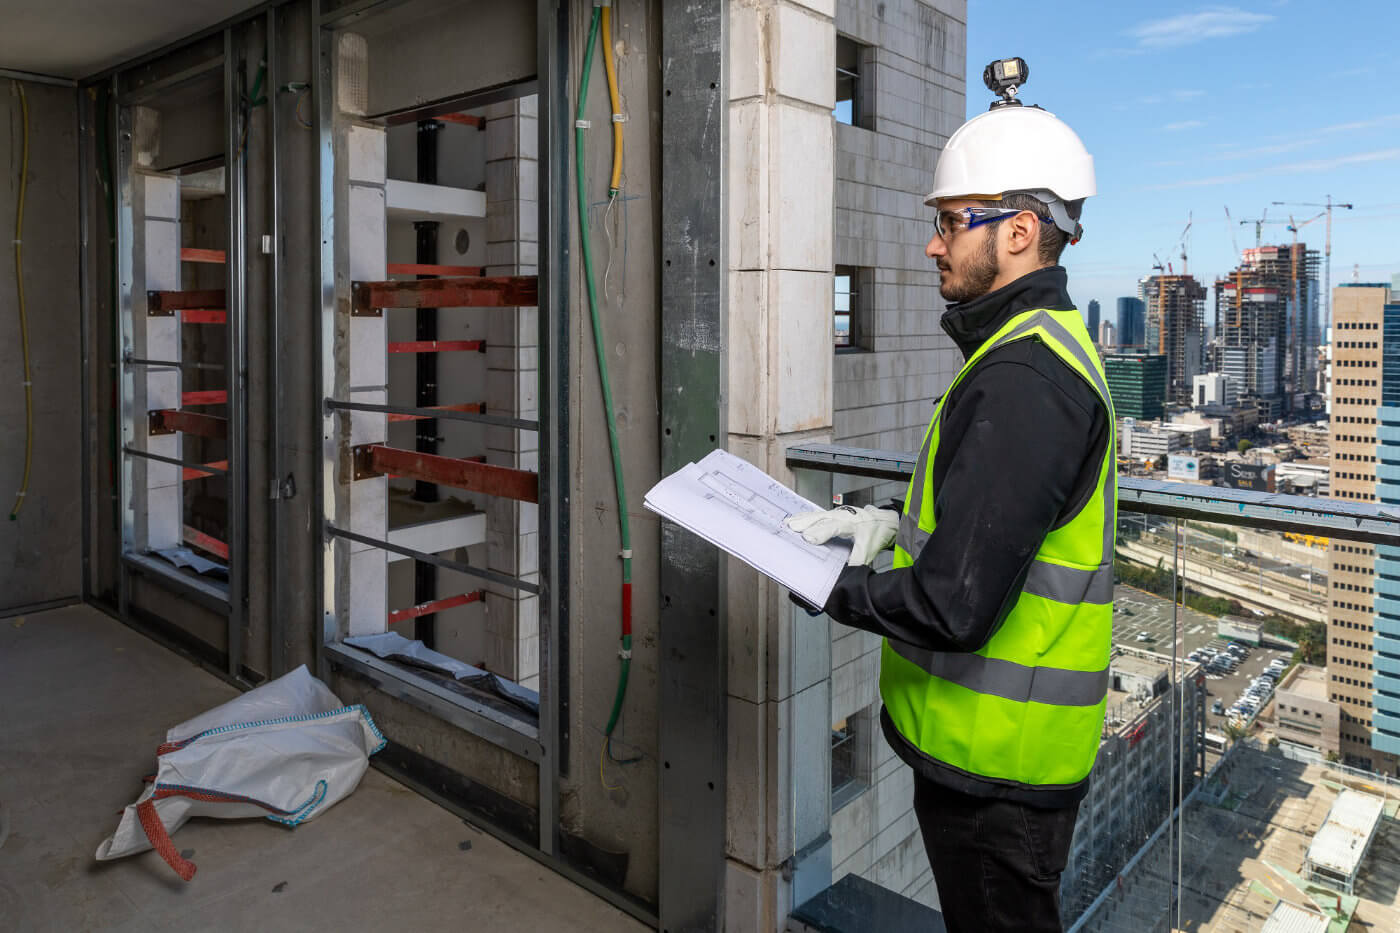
<point>936,247</point>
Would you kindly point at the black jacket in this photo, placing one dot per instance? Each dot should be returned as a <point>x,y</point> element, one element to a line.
<point>1020,449</point>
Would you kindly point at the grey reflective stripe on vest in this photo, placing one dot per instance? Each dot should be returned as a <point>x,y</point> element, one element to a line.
<point>1053,686</point>
<point>910,536</point>
<point>1070,584</point>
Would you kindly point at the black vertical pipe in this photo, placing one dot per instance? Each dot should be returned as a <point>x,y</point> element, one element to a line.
<point>426,234</point>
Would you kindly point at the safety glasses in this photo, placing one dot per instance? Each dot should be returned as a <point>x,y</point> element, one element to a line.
<point>949,222</point>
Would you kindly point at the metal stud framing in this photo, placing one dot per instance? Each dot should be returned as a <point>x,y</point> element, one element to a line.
<point>545,744</point>
<point>227,306</point>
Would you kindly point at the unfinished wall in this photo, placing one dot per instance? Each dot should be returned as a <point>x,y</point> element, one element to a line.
<point>885,390</point>
<point>615,805</point>
<point>41,550</point>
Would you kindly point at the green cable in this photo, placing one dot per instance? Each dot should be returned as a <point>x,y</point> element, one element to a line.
<point>599,347</point>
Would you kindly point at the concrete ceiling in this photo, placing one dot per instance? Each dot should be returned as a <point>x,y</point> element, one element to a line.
<point>78,38</point>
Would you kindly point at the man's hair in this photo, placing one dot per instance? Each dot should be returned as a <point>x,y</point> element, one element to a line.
<point>1052,240</point>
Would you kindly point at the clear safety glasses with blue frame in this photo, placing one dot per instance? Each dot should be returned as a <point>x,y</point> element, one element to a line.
<point>965,218</point>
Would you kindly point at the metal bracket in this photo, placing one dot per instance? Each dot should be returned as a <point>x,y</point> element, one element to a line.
<point>155,424</point>
<point>362,462</point>
<point>153,306</point>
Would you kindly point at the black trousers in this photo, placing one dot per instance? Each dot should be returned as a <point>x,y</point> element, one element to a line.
<point>997,864</point>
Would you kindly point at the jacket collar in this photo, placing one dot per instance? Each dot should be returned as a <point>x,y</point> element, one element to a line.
<point>972,322</point>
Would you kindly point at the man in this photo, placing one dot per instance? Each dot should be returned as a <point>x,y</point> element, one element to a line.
<point>997,612</point>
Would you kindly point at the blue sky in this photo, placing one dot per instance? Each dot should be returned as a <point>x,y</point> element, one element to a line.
<point>1190,108</point>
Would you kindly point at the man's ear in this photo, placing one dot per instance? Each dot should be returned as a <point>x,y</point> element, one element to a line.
<point>1024,232</point>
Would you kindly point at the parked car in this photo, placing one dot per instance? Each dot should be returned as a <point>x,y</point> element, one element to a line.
<point>1218,707</point>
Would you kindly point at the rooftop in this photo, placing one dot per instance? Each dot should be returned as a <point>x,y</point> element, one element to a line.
<point>1141,665</point>
<point>1307,681</point>
<point>1290,918</point>
<point>1341,842</point>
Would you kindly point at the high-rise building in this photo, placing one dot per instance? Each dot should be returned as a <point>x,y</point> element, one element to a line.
<point>1093,316</point>
<point>1131,313</point>
<point>1175,329</point>
<point>1214,389</point>
<point>1385,709</point>
<point>1266,314</point>
<point>1137,384</point>
<point>1358,314</point>
<point>1107,336</point>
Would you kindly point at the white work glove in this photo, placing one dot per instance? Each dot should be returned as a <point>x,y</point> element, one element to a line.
<point>870,529</point>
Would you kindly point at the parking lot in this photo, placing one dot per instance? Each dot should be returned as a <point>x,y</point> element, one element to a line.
<point>1137,613</point>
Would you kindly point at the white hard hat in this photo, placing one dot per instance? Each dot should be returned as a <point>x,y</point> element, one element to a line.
<point>1013,148</point>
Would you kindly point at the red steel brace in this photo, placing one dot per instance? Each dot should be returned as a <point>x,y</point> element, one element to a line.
<point>377,460</point>
<point>503,291</point>
<point>205,542</point>
<point>437,605</point>
<point>478,407</point>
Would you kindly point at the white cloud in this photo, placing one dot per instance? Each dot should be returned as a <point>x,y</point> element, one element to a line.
<point>1292,168</point>
<point>1182,125</point>
<point>1188,28</point>
<point>1361,124</point>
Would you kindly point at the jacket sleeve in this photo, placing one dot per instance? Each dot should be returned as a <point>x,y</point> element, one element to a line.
<point>1011,455</point>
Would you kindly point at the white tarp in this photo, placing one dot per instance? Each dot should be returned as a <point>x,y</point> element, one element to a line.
<point>286,751</point>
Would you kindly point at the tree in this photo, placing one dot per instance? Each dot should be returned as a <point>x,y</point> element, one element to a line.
<point>1243,445</point>
<point>1312,644</point>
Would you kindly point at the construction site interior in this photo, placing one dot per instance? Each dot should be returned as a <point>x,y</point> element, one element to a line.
<point>352,334</point>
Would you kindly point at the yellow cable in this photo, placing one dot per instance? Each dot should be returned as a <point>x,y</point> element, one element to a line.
<point>615,185</point>
<point>602,753</point>
<point>23,319</point>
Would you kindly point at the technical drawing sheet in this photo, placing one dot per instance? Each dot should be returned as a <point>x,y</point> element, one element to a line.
<point>737,507</point>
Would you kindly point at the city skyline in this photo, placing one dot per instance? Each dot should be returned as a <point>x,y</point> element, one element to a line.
<point>1200,124</point>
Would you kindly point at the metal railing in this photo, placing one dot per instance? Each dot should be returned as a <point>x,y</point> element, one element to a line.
<point>1354,521</point>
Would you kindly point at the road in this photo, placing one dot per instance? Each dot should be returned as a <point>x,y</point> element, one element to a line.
<point>1310,578</point>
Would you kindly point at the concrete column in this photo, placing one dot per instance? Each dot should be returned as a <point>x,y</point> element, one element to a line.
<point>156,487</point>
<point>365,372</point>
<point>781,85</point>
<point>512,385</point>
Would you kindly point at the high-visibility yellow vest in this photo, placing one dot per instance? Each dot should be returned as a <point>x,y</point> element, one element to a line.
<point>1028,707</point>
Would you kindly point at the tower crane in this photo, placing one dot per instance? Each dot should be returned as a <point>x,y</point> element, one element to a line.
<point>1329,204</point>
<point>1182,242</point>
<point>1259,226</point>
<point>1230,226</point>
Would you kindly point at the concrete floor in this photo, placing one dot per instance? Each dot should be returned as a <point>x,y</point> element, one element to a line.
<point>87,700</point>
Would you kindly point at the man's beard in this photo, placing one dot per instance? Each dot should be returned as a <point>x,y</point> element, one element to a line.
<point>977,278</point>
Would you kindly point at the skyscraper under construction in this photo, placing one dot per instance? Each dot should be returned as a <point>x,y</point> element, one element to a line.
<point>1266,314</point>
<point>1175,321</point>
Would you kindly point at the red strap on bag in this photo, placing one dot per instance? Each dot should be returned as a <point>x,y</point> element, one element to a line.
<point>161,842</point>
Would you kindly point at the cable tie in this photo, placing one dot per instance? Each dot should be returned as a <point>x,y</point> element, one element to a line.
<point>625,654</point>
<point>21,494</point>
<point>583,124</point>
<point>26,383</point>
<point>625,553</point>
<point>619,118</point>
